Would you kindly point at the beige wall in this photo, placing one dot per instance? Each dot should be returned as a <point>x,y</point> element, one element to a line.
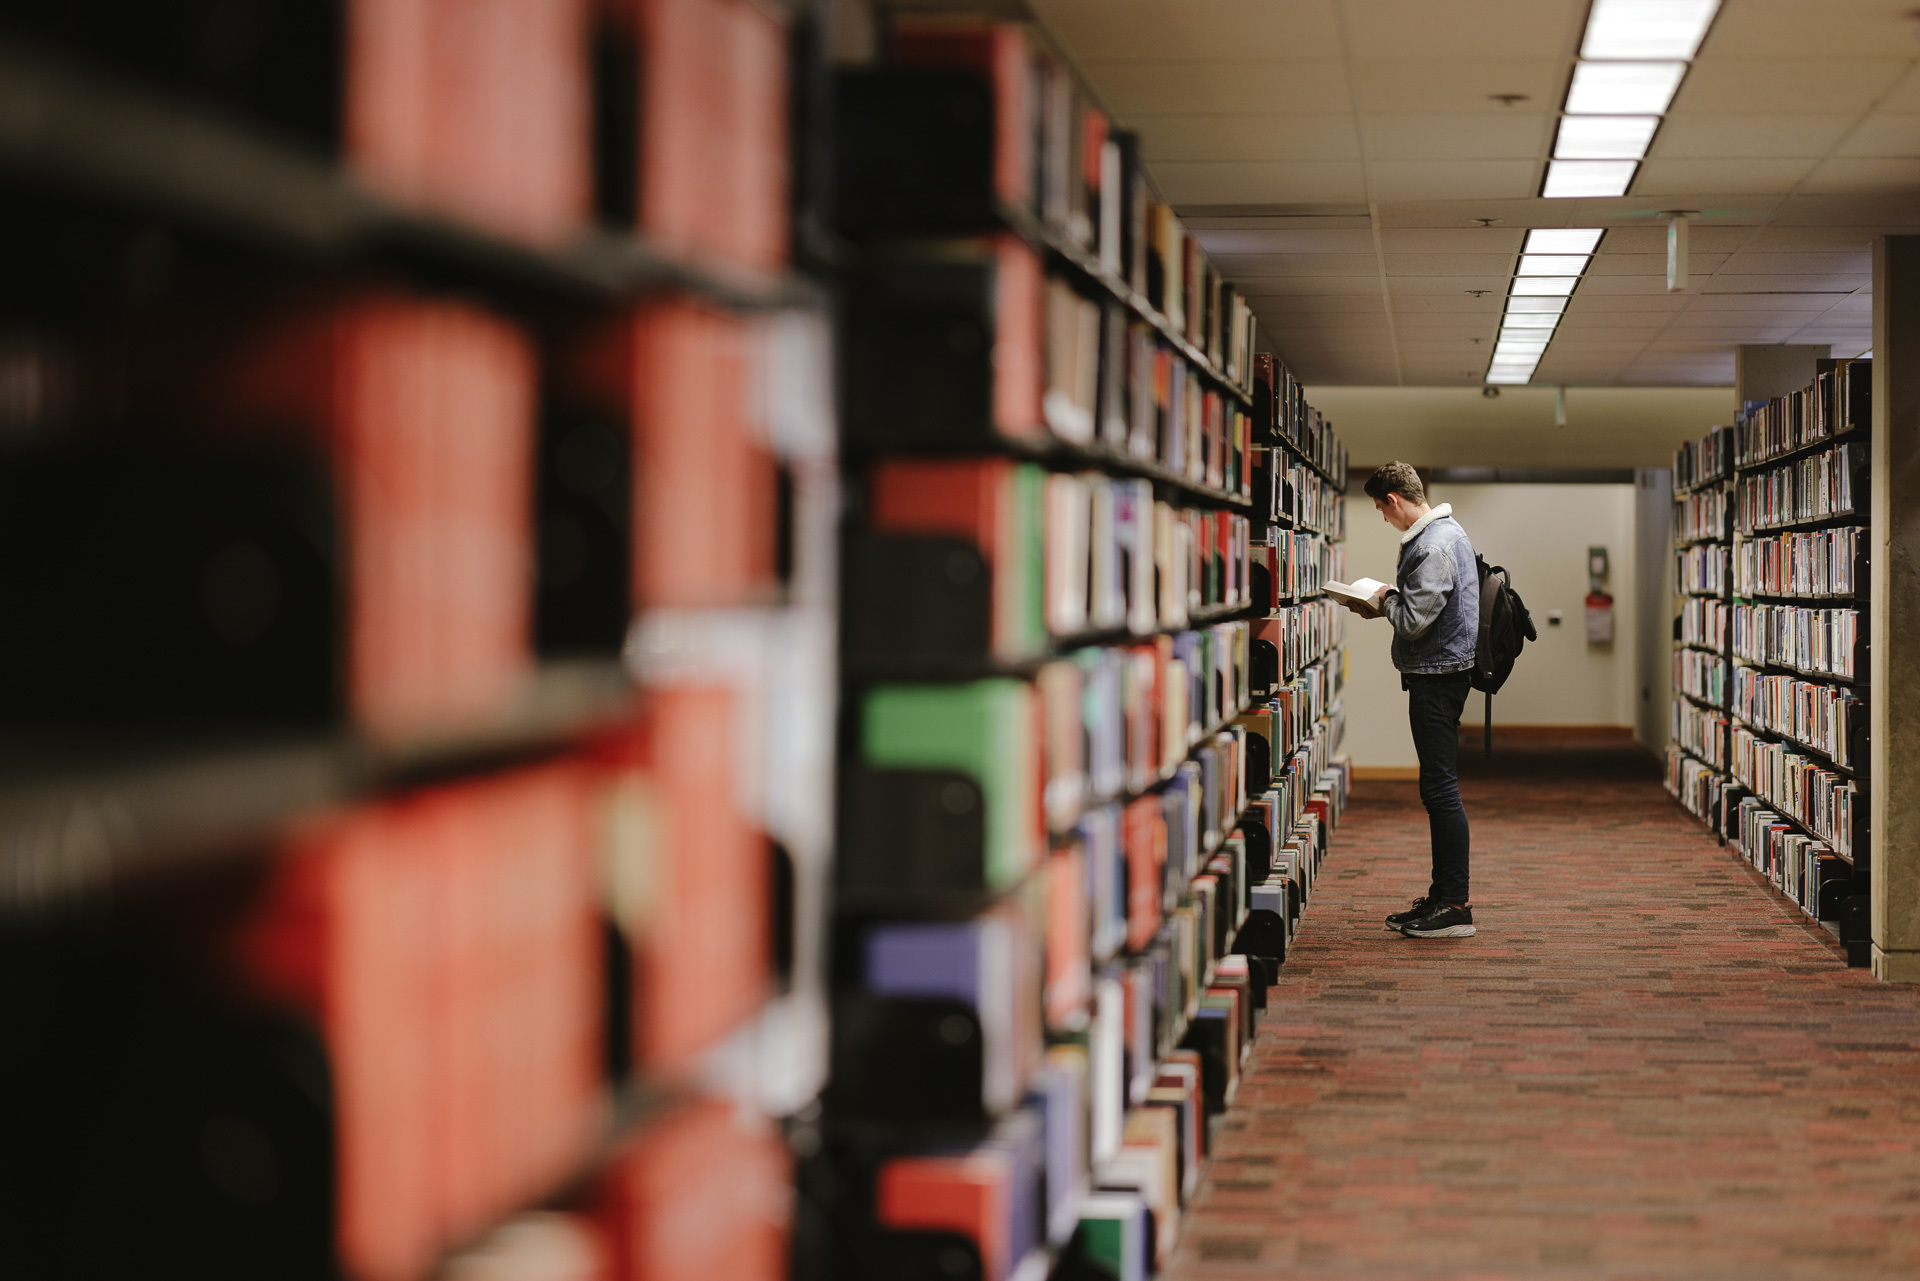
<point>1458,427</point>
<point>1541,534</point>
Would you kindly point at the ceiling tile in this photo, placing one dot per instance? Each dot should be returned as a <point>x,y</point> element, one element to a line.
<point>1323,136</point>
<point>1815,85</point>
<point>1789,28</point>
<point>1208,85</point>
<point>1453,179</point>
<point>1649,236</point>
<point>1461,84</point>
<point>1761,301</point>
<point>1185,29</point>
<point>1776,237</point>
<point>1752,261</point>
<point>1786,284</point>
<point>1594,301</point>
<point>1507,135</point>
<point>1462,303</point>
<point>1316,305</point>
<point>1359,286</point>
<point>1500,28</point>
<point>1905,97</point>
<point>1689,178</point>
<point>1402,286</point>
<point>1259,182</point>
<point>1352,241</point>
<point>1250,268</point>
<point>1443,264</point>
<point>1698,135</point>
<point>1880,135</point>
<point>1452,240</point>
<point>1698,264</point>
<point>1859,174</point>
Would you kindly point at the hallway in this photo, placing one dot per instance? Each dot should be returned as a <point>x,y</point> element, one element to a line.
<point>1647,1065</point>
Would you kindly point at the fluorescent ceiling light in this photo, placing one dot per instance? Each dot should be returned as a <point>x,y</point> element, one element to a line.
<point>1544,286</point>
<point>1510,379</point>
<point>1521,337</point>
<point>1562,240</point>
<point>1647,28</point>
<point>1553,306</point>
<point>1552,264</point>
<point>1571,178</point>
<point>1623,88</point>
<point>1528,320</point>
<point>1604,137</point>
<point>1514,361</point>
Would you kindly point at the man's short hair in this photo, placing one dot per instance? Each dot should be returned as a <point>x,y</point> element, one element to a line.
<point>1396,478</point>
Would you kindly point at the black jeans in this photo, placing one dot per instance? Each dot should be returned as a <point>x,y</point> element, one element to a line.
<point>1434,704</point>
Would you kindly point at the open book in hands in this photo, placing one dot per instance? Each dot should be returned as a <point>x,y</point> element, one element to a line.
<point>1362,596</point>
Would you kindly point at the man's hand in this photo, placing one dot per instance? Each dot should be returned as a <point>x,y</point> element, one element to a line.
<point>1363,608</point>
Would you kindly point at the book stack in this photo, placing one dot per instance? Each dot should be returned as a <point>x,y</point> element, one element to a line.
<point>1779,765</point>
<point>1092,692</point>
<point>439,621</point>
<point>1698,750</point>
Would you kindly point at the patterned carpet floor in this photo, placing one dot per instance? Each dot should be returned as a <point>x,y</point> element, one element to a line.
<point>1646,1065</point>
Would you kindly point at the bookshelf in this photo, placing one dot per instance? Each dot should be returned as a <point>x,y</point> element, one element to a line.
<point>1091,703</point>
<point>1791,791</point>
<point>416,845</point>
<point>1698,755</point>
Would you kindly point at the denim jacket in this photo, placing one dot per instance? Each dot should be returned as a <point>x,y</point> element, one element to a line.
<point>1434,604</point>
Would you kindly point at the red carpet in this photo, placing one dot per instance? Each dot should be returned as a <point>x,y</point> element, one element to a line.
<point>1646,1065</point>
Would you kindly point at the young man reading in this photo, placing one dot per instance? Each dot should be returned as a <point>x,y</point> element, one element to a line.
<point>1434,606</point>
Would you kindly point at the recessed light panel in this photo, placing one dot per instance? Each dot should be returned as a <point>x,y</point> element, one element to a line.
<point>1604,137</point>
<point>1545,286</point>
<point>1563,240</point>
<point>1552,306</point>
<point>1528,320</point>
<point>1623,88</point>
<point>1552,264</point>
<point>1567,179</point>
<point>1647,28</point>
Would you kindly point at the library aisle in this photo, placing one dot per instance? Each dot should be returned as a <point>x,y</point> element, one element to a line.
<point>1643,1066</point>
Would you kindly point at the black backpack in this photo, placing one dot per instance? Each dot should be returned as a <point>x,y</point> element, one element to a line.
<point>1505,628</point>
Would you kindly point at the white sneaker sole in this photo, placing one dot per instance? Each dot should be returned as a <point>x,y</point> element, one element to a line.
<point>1451,932</point>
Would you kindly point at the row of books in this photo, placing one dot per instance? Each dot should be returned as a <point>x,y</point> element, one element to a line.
<point>970,344</point>
<point>1823,562</point>
<point>1700,514</point>
<point>531,118</point>
<point>1302,634</point>
<point>360,507</point>
<point>1035,145</point>
<point>1294,566</point>
<point>701,1189</point>
<point>1824,802</point>
<point>1700,462</point>
<point>1099,723</point>
<point>1812,488</point>
<point>1280,406</point>
<point>1822,717</point>
<point>1161,1024</point>
<point>1702,731</point>
<point>1703,622</point>
<point>1063,553</point>
<point>1699,787</point>
<point>1839,400</point>
<point>1302,497</point>
<point>450,945</point>
<point>1798,865</point>
<point>1701,676</point>
<point>1809,639</point>
<point>1702,570</point>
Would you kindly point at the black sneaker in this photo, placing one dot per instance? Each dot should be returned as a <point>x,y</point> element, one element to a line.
<point>1441,921</point>
<point>1399,919</point>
